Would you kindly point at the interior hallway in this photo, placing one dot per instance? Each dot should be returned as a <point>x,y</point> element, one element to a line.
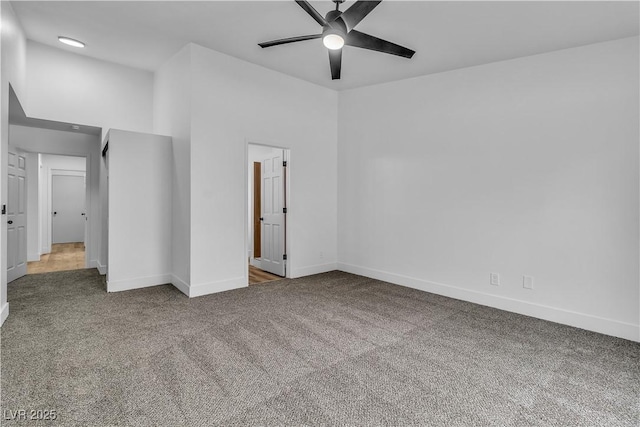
<point>63,256</point>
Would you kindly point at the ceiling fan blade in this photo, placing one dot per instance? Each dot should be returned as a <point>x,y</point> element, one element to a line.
<point>357,12</point>
<point>289,40</point>
<point>335,61</point>
<point>366,41</point>
<point>311,11</point>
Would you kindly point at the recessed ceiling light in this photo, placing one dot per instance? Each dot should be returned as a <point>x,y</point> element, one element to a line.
<point>75,127</point>
<point>70,42</point>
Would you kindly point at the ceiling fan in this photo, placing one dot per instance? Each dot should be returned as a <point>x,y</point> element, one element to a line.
<point>338,30</point>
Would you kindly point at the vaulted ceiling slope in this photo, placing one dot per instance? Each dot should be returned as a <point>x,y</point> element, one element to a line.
<point>445,35</point>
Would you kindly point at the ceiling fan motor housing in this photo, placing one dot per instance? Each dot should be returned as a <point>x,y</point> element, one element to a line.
<point>335,22</point>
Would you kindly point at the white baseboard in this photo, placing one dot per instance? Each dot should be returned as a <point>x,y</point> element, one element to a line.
<point>94,263</point>
<point>313,269</point>
<point>102,269</point>
<point>180,284</point>
<point>215,287</point>
<point>4,313</point>
<point>255,262</point>
<point>208,288</point>
<point>137,283</point>
<point>33,256</point>
<point>579,320</point>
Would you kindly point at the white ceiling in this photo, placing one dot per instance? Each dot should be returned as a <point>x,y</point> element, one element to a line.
<point>445,35</point>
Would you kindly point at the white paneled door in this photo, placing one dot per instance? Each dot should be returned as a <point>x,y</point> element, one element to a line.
<point>17,216</point>
<point>68,204</point>
<point>273,217</point>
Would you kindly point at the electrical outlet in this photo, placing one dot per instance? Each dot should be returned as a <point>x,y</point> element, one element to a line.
<point>527,282</point>
<point>494,279</point>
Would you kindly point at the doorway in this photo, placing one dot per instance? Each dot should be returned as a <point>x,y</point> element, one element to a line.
<point>268,187</point>
<point>62,205</point>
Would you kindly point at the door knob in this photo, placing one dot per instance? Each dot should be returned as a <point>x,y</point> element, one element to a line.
<point>9,222</point>
<point>55,213</point>
<point>261,219</point>
<point>82,214</point>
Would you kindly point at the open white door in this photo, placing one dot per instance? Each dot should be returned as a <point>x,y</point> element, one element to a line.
<point>273,215</point>
<point>17,216</point>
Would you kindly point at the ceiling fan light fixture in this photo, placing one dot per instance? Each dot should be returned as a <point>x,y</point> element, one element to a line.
<point>71,42</point>
<point>338,28</point>
<point>333,39</point>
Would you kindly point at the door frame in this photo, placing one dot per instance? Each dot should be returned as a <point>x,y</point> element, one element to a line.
<point>287,191</point>
<point>45,247</point>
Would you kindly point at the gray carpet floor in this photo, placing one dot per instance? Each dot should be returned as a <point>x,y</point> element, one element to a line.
<point>330,349</point>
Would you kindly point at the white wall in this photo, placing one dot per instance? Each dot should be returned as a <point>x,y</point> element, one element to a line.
<point>68,87</point>
<point>521,167</point>
<point>12,71</point>
<point>233,103</point>
<point>172,116</point>
<point>80,145</point>
<point>139,210</point>
<point>49,162</point>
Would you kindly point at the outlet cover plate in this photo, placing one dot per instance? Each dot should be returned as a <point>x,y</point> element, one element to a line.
<point>527,282</point>
<point>494,279</point>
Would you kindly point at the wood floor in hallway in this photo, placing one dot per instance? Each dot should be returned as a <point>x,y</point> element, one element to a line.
<point>257,276</point>
<point>63,256</point>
